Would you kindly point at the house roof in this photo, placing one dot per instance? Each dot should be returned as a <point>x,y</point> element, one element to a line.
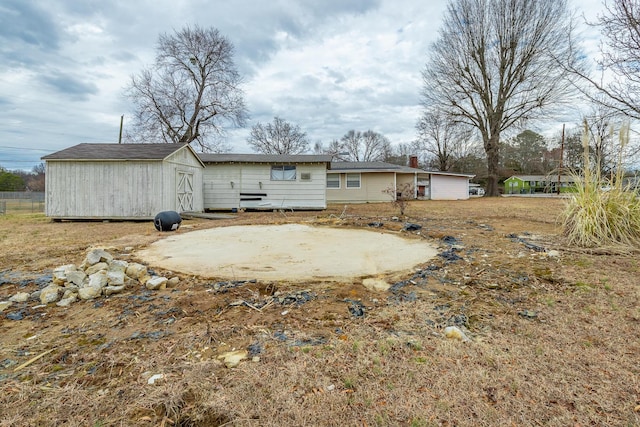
<point>264,158</point>
<point>372,167</point>
<point>386,167</point>
<point>88,151</point>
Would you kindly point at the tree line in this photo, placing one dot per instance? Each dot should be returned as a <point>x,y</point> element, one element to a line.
<point>19,180</point>
<point>496,67</point>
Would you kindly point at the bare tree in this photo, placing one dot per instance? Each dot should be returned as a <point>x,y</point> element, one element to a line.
<point>443,139</point>
<point>191,92</point>
<point>365,146</point>
<point>278,138</point>
<point>498,63</point>
<point>620,51</point>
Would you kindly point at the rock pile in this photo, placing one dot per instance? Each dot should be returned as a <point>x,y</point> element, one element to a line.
<point>98,275</point>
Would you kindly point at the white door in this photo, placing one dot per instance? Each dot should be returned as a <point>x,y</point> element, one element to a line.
<point>185,191</point>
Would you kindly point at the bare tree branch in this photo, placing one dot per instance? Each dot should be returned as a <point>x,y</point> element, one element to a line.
<point>278,138</point>
<point>191,92</point>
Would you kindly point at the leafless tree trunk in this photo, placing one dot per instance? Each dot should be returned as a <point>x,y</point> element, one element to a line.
<point>498,63</point>
<point>278,138</point>
<point>190,93</point>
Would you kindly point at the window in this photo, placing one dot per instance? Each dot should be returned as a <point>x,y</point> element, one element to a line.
<point>333,180</point>
<point>353,180</point>
<point>283,173</point>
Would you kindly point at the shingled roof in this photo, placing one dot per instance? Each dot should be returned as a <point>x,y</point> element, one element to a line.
<point>87,151</point>
<point>264,158</point>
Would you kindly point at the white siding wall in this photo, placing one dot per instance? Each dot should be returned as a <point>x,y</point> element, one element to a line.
<point>104,189</point>
<point>445,187</point>
<point>256,179</point>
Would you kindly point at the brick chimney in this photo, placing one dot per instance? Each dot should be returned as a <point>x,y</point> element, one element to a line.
<point>413,162</point>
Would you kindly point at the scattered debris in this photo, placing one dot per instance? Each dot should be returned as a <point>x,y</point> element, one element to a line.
<point>375,224</point>
<point>356,308</point>
<point>526,243</point>
<point>411,227</point>
<point>450,255</point>
<point>528,314</point>
<point>155,379</point>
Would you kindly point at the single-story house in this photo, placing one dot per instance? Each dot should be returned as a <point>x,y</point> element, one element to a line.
<point>364,182</point>
<point>122,181</point>
<point>530,184</point>
<point>263,181</point>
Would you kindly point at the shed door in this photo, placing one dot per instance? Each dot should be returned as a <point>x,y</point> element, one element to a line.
<point>185,191</point>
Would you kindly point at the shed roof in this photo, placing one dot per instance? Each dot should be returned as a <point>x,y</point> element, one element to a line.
<point>264,158</point>
<point>89,151</point>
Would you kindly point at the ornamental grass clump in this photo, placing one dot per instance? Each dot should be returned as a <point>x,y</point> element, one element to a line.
<point>602,212</point>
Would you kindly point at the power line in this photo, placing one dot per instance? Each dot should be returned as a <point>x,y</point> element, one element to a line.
<point>24,148</point>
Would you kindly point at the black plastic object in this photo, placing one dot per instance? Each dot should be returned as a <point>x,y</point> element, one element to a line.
<point>167,221</point>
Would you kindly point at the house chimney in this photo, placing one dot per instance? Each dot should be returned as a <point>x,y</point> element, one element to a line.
<point>413,162</point>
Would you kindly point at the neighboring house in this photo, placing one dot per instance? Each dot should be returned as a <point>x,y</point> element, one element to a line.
<point>530,184</point>
<point>263,181</point>
<point>364,182</point>
<point>122,181</point>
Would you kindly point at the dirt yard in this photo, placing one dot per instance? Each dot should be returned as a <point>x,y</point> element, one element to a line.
<point>553,331</point>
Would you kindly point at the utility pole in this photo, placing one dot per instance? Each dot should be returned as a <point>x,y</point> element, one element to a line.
<point>120,137</point>
<point>561,158</point>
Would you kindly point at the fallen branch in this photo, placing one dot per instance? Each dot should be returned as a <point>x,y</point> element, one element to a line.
<point>30,361</point>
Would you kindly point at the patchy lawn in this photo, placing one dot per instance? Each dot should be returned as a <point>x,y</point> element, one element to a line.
<point>554,331</point>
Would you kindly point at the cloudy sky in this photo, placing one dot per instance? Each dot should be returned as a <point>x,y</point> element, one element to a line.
<point>328,66</point>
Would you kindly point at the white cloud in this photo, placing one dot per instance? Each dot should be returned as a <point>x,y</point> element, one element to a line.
<point>327,66</point>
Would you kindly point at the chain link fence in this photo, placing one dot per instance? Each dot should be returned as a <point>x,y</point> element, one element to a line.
<point>21,202</point>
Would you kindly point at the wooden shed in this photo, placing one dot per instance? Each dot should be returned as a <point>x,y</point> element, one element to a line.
<point>265,181</point>
<point>122,181</point>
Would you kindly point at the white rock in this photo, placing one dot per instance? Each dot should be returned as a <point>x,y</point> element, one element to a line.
<point>454,332</point>
<point>98,280</point>
<point>115,277</point>
<point>173,282</point>
<point>50,294</point>
<point>110,290</point>
<point>97,255</point>
<point>156,282</point>
<point>155,379</point>
<point>101,266</point>
<point>89,292</point>
<point>20,297</point>
<point>66,302</point>
<point>76,277</point>
<point>117,264</point>
<point>553,253</point>
<point>69,292</point>
<point>136,271</point>
<point>374,284</point>
<point>232,359</point>
<point>4,305</point>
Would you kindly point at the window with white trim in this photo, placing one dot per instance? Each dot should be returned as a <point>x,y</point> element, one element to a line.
<point>333,180</point>
<point>353,180</point>
<point>283,173</point>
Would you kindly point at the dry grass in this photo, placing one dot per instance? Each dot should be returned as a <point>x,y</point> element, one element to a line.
<point>555,341</point>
